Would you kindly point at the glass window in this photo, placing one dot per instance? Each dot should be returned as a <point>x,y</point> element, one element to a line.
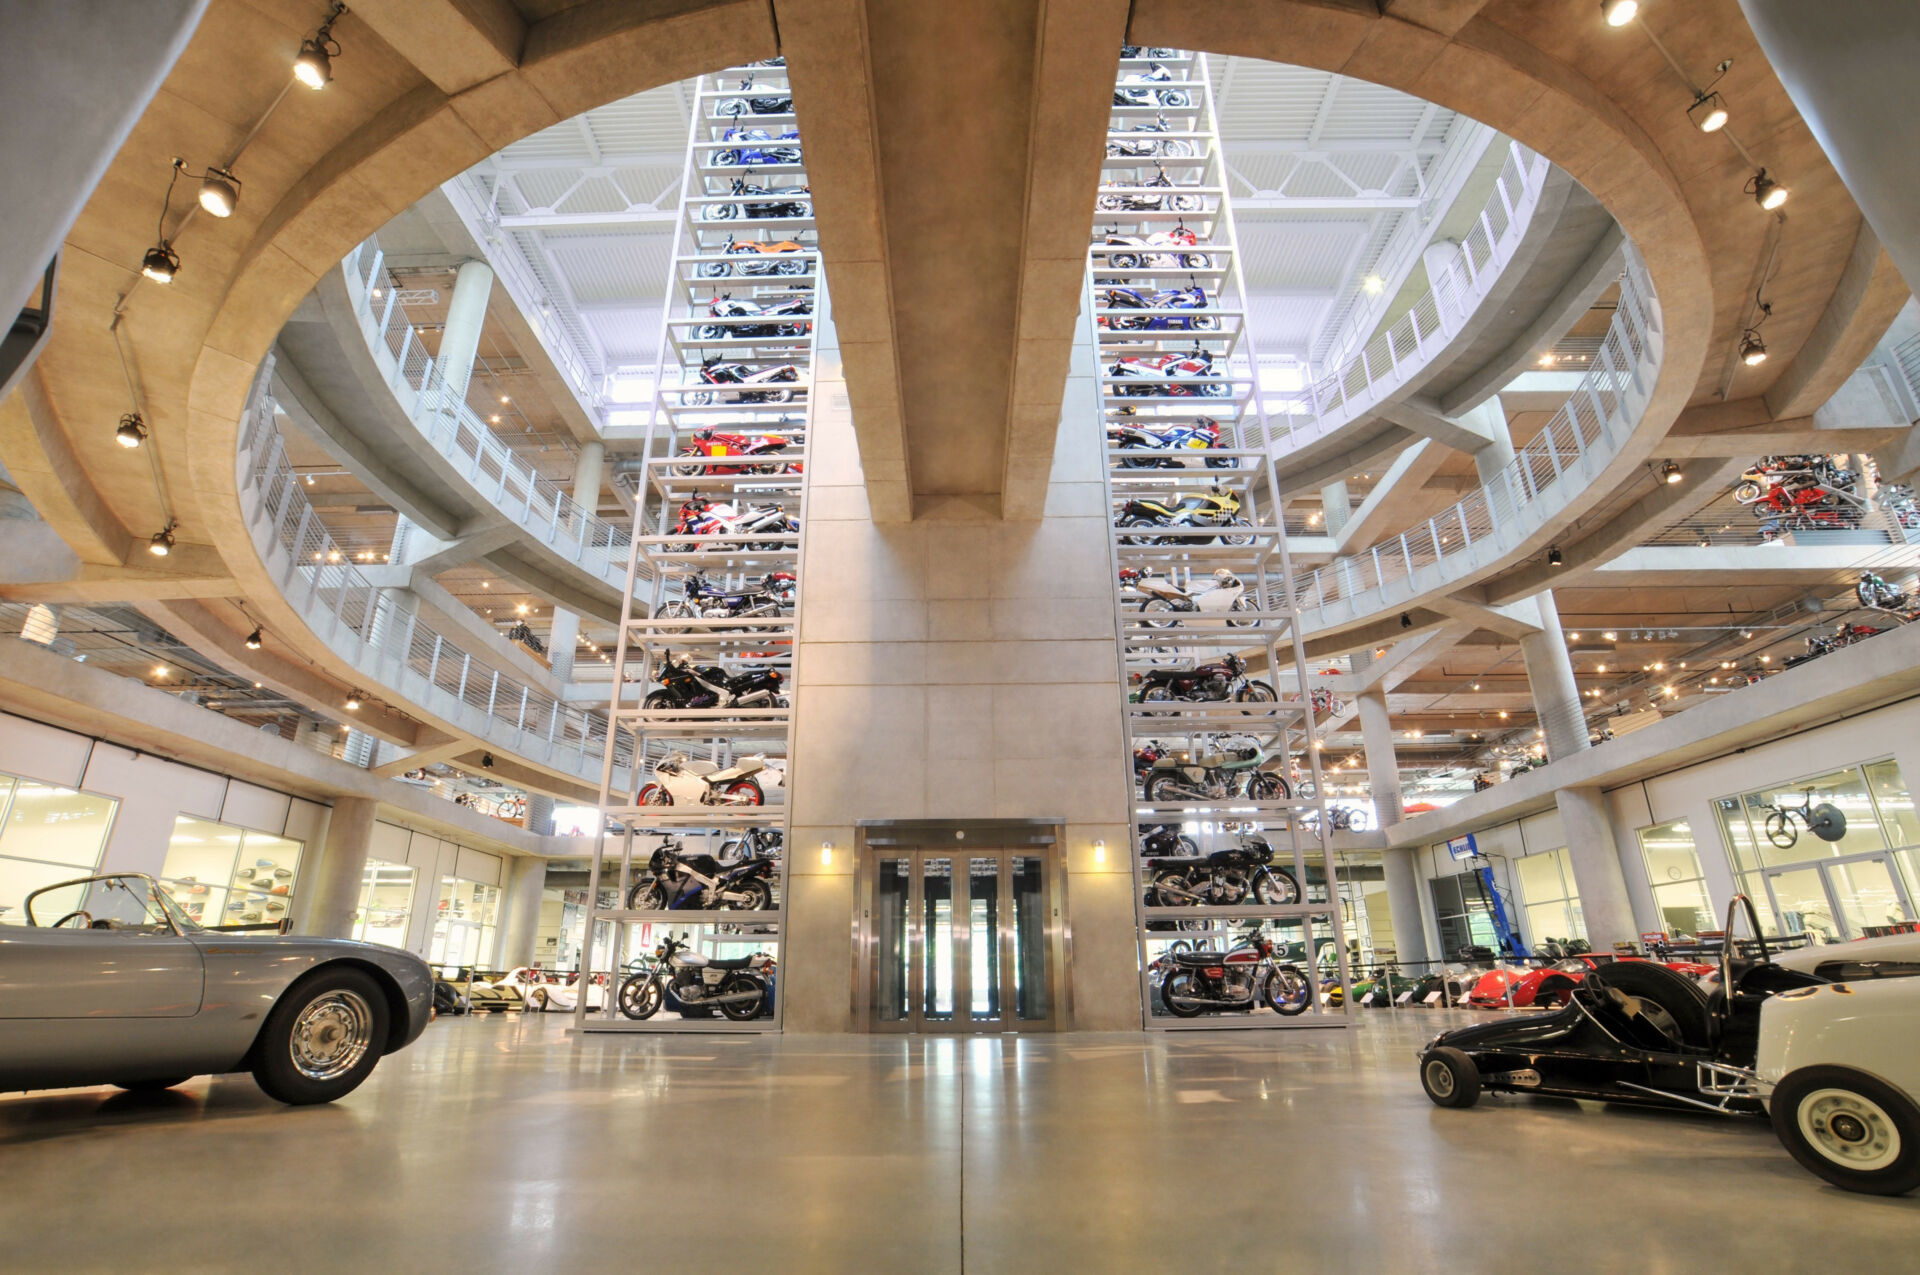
<point>48,834</point>
<point>463,923</point>
<point>1679,884</point>
<point>1895,804</point>
<point>386,903</point>
<point>1550,897</point>
<point>220,874</point>
<point>1465,916</point>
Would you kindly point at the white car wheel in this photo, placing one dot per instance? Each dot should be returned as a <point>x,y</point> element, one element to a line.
<point>1849,1129</point>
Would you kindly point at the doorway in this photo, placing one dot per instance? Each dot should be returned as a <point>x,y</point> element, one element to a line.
<point>957,940</point>
<point>1835,901</point>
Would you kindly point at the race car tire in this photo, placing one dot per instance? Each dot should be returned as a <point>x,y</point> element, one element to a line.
<point>1449,1077</point>
<point>1857,1132</point>
<point>1674,993</point>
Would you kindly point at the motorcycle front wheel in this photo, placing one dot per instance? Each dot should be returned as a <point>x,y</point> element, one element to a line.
<point>1157,606</point>
<point>1255,693</point>
<point>714,269</point>
<point>676,611</point>
<point>742,1011</point>
<point>655,795</point>
<point>1132,521</point>
<point>1179,983</point>
<point>1266,787</point>
<point>646,896</point>
<point>640,997</point>
<point>1288,992</point>
<point>1276,888</point>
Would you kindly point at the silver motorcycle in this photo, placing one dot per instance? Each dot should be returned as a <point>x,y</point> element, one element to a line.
<point>739,986</point>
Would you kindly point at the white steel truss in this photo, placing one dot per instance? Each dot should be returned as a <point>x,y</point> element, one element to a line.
<point>713,575</point>
<point>1201,551</point>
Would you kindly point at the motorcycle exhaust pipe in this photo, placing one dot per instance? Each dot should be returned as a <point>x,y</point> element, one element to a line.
<point>731,998</point>
<point>1188,1002</point>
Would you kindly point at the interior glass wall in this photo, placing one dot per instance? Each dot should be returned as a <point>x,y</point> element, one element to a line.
<point>220,874</point>
<point>48,834</point>
<point>1679,883</point>
<point>464,923</point>
<point>386,903</point>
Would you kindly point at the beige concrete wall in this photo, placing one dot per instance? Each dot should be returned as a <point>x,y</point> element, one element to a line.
<point>958,666</point>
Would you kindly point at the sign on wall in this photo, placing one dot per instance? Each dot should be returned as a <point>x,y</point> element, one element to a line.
<point>1463,847</point>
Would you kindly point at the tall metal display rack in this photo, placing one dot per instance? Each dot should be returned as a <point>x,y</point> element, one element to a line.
<point>710,524</point>
<point>1187,432</point>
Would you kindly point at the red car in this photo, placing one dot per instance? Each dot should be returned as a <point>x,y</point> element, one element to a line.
<point>1549,985</point>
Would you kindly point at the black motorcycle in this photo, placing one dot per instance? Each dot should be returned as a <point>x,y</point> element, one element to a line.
<point>1143,90</point>
<point>756,843</point>
<point>1214,682</point>
<point>739,987</point>
<point>1243,874</point>
<point>684,684</point>
<point>760,210</point>
<point>1165,840</point>
<point>677,880</point>
<point>725,307</point>
<point>775,103</point>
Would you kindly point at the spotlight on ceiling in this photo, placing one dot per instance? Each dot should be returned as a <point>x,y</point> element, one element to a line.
<point>162,543</point>
<point>161,263</point>
<point>132,431</point>
<point>313,66</point>
<point>1554,556</point>
<point>1406,621</point>
<point>486,761</point>
<point>1766,192</point>
<point>1708,113</point>
<point>1753,351</point>
<point>353,701</point>
<point>254,640</point>
<point>1670,473</point>
<point>219,192</point>
<point>1619,12</point>
<point>1373,285</point>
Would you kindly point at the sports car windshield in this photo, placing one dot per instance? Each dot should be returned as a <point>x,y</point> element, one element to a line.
<point>128,903</point>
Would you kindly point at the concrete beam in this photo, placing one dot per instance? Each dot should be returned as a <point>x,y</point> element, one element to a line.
<point>444,751</point>
<point>1743,428</point>
<point>458,44</point>
<point>471,543</point>
<point>1515,620</point>
<point>1424,417</point>
<point>1681,566</point>
<point>1384,511</point>
<point>1863,305</point>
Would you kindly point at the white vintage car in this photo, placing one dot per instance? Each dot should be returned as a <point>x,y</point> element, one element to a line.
<point>542,991</point>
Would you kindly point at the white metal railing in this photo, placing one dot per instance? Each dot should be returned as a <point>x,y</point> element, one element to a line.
<point>375,629</point>
<point>545,509</point>
<point>1497,517</point>
<point>1407,344</point>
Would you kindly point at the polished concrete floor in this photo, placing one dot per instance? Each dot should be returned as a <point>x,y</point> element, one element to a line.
<point>507,1144</point>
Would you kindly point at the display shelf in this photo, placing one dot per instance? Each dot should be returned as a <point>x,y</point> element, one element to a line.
<point>1282,731</point>
<point>708,740</point>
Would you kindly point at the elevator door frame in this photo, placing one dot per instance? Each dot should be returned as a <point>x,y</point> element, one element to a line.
<point>867,944</point>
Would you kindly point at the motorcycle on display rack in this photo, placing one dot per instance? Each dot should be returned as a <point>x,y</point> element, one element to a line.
<point>739,987</point>
<point>1241,979</point>
<point>702,517</point>
<point>714,372</point>
<point>1844,634</point>
<point>1246,771</point>
<point>780,204</point>
<point>1142,143</point>
<point>745,153</point>
<point>760,843</point>
<point>1164,840</point>
<point>776,103</point>
<point>1225,593</point>
<point>701,599</point>
<point>1116,302</point>
<point>1214,510</point>
<point>1135,52</point>
<point>1170,444</point>
<point>776,258</point>
<point>678,781</point>
<point>774,309</point>
<point>708,445</point>
<point>1170,376</point>
<point>1159,251</point>
<point>685,685</point>
<point>1142,89</point>
<point>1134,196</point>
<point>1145,756</point>
<point>1340,818</point>
<point>677,880</point>
<point>1213,682</point>
<point>1876,594</point>
<point>1225,878</point>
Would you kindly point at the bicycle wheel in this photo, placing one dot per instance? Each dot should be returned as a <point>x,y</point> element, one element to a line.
<point>1780,829</point>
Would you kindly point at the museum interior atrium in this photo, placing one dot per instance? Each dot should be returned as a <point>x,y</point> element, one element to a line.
<point>1227,582</point>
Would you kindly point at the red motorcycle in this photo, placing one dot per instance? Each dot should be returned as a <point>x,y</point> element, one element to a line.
<point>1171,375</point>
<point>709,445</point>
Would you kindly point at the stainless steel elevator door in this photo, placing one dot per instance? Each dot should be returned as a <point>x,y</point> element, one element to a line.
<point>956,942</point>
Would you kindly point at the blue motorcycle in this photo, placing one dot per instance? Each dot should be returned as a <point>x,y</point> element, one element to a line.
<point>742,154</point>
<point>677,881</point>
<point>705,600</point>
<point>1117,302</point>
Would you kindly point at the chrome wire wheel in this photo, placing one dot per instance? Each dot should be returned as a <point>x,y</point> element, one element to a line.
<point>1849,1129</point>
<point>331,1035</point>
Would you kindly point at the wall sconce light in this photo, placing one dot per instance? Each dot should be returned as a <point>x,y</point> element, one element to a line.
<point>826,854</point>
<point>1099,851</point>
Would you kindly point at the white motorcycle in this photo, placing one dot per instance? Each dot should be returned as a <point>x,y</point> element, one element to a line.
<point>680,781</point>
<point>1160,597</point>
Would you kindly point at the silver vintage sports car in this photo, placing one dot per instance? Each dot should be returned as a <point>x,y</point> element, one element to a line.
<point>108,982</point>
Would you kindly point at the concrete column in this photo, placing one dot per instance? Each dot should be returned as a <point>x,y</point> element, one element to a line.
<point>1383,765</point>
<point>1490,418</point>
<point>397,548</point>
<point>1556,696</point>
<point>564,636</point>
<point>1597,874</point>
<point>540,814</point>
<point>466,314</point>
<point>1338,506</point>
<point>1403,900</point>
<point>520,911</point>
<point>330,884</point>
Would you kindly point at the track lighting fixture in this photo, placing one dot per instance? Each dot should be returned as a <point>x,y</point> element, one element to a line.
<point>254,640</point>
<point>313,66</point>
<point>1708,113</point>
<point>162,543</point>
<point>1753,351</point>
<point>1406,621</point>
<point>132,431</point>
<point>1670,473</point>
<point>486,761</point>
<point>1766,192</point>
<point>161,263</point>
<point>1554,557</point>
<point>219,192</point>
<point>1619,12</point>
<point>353,701</point>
